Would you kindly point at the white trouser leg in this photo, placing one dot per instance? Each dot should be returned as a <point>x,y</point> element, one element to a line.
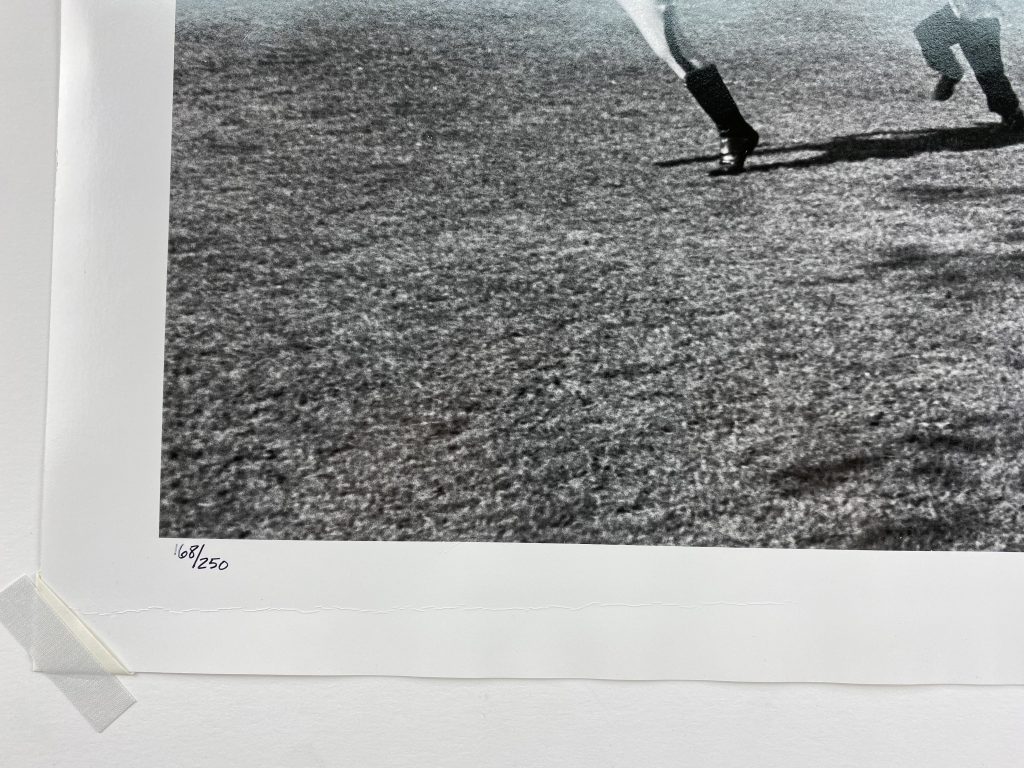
<point>647,16</point>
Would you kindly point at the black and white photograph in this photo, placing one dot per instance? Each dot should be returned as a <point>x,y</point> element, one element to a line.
<point>716,274</point>
<point>519,382</point>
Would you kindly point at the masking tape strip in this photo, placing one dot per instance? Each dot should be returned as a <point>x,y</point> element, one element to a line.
<point>59,653</point>
<point>85,636</point>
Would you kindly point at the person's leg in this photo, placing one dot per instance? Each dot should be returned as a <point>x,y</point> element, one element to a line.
<point>982,49</point>
<point>661,27</point>
<point>680,47</point>
<point>647,16</point>
<point>937,35</point>
<point>702,78</point>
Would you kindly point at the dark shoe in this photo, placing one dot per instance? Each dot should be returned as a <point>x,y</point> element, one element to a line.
<point>945,88</point>
<point>734,151</point>
<point>999,93</point>
<point>1014,122</point>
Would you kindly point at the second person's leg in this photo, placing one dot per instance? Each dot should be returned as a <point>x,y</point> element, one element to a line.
<point>982,49</point>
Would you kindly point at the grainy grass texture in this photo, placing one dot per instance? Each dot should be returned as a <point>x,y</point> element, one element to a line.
<point>455,272</point>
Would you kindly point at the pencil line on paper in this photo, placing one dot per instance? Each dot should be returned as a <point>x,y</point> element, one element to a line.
<point>438,608</point>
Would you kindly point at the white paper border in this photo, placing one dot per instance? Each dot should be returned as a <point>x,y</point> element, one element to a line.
<point>455,610</point>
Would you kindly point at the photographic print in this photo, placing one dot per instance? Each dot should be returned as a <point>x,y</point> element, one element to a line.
<point>740,274</point>
<point>414,354</point>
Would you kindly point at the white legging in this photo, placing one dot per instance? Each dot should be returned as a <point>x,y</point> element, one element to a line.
<point>649,17</point>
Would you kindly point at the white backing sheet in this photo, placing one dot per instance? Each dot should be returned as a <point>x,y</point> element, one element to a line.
<point>440,610</point>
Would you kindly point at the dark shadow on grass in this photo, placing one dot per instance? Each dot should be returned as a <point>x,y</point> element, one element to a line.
<point>801,478</point>
<point>937,193</point>
<point>968,274</point>
<point>873,145</point>
<point>929,447</point>
<point>964,270</point>
<point>920,533</point>
<point>943,457</point>
<point>906,257</point>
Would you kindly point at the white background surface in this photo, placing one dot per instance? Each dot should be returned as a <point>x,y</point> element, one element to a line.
<point>206,721</point>
<point>420,609</point>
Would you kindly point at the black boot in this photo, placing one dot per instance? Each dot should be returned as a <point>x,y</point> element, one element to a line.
<point>738,138</point>
<point>982,49</point>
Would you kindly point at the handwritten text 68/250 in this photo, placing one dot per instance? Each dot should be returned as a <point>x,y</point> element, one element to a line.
<point>194,554</point>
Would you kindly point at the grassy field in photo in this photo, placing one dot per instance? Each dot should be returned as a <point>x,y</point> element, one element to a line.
<point>455,271</point>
